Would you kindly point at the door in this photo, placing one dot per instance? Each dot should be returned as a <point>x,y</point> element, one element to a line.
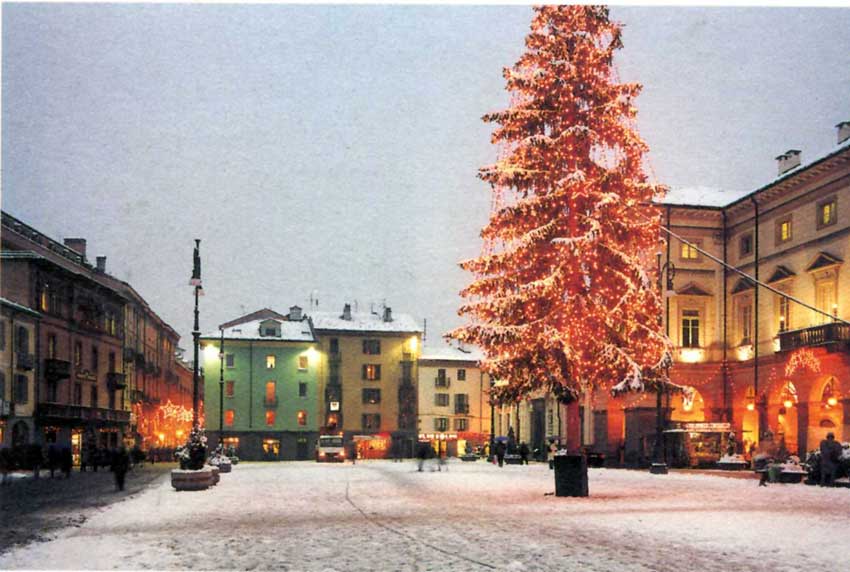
<point>301,450</point>
<point>538,427</point>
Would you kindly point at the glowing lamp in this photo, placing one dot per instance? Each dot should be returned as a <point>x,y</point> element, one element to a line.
<point>161,436</point>
<point>787,403</point>
<point>414,343</point>
<point>832,401</point>
<point>691,355</point>
<point>179,433</point>
<point>751,406</point>
<point>211,352</point>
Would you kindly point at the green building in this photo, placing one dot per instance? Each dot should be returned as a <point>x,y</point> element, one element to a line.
<point>269,387</point>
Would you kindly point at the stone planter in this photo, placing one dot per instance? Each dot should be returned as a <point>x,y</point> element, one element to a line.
<point>225,467</point>
<point>187,480</point>
<point>216,476</point>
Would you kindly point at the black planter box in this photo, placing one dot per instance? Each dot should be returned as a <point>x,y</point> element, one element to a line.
<point>571,476</point>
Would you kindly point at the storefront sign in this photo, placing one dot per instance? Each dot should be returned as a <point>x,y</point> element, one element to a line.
<point>438,436</point>
<point>334,405</point>
<point>707,427</point>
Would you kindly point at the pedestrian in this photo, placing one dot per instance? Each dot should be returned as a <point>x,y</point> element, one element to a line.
<point>7,463</point>
<point>550,454</point>
<point>523,453</point>
<point>830,456</point>
<point>354,452</point>
<point>52,457</point>
<point>120,465</point>
<point>500,452</point>
<point>422,453</point>
<point>66,461</point>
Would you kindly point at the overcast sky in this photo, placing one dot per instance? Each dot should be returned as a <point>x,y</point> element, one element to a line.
<point>335,148</point>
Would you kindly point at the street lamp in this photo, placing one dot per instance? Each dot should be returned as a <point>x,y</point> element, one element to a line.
<point>195,282</point>
<point>221,392</point>
<point>492,421</point>
<point>659,465</point>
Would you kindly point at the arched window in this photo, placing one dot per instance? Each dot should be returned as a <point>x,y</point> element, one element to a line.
<point>23,338</point>
<point>829,398</point>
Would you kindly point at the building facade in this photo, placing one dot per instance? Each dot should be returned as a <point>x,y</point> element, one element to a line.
<point>18,337</point>
<point>454,404</point>
<point>369,379</point>
<point>759,364</point>
<point>265,404</point>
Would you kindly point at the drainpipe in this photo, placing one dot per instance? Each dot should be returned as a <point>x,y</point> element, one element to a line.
<point>759,402</point>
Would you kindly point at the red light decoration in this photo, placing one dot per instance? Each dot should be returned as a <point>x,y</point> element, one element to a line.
<point>803,358</point>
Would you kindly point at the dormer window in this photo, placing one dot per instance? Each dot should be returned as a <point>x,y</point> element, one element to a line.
<point>270,329</point>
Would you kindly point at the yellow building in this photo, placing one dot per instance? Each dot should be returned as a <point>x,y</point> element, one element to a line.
<point>367,380</point>
<point>18,335</point>
<point>453,398</point>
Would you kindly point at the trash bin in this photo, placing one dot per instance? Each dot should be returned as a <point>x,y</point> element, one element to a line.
<point>570,476</point>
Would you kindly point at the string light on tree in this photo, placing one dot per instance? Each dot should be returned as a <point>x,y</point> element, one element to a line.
<point>563,298</point>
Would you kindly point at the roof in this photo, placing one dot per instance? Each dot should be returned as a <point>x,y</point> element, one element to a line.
<point>263,314</point>
<point>18,307</point>
<point>290,331</point>
<point>364,322</point>
<point>451,353</point>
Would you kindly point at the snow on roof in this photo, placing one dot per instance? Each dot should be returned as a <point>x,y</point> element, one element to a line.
<point>364,322</point>
<point>700,196</point>
<point>451,353</point>
<point>290,331</point>
<point>19,307</point>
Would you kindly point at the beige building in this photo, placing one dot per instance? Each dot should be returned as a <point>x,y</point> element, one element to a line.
<point>368,378</point>
<point>453,398</point>
<point>18,335</point>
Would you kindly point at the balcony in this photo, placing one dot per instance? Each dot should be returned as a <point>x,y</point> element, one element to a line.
<point>5,408</point>
<point>79,412</point>
<point>442,382</point>
<point>115,380</point>
<point>56,369</point>
<point>270,402</point>
<point>462,408</point>
<point>832,333</point>
<point>24,361</point>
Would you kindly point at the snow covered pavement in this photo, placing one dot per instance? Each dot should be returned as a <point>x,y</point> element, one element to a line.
<point>387,516</point>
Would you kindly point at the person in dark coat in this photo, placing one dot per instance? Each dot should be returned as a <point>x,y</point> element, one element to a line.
<point>423,452</point>
<point>353,452</point>
<point>523,452</point>
<point>500,452</point>
<point>830,456</point>
<point>120,465</point>
<point>66,460</point>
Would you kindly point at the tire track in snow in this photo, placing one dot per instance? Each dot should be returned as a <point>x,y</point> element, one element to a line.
<point>409,537</point>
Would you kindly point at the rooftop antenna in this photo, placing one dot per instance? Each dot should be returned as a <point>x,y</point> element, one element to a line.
<point>424,329</point>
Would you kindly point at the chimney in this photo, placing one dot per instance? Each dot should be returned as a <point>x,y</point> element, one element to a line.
<point>78,245</point>
<point>388,314</point>
<point>843,131</point>
<point>295,313</point>
<point>101,264</point>
<point>788,160</point>
<point>346,312</point>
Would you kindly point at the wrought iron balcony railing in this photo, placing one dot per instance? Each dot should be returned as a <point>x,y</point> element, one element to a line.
<point>833,332</point>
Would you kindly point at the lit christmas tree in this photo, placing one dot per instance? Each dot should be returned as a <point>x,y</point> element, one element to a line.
<point>564,296</point>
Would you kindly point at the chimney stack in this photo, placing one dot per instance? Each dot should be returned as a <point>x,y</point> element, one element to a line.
<point>843,131</point>
<point>788,160</point>
<point>295,313</point>
<point>78,245</point>
<point>388,314</point>
<point>101,264</point>
<point>346,312</point>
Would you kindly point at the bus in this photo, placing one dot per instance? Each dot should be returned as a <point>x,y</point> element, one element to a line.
<point>330,448</point>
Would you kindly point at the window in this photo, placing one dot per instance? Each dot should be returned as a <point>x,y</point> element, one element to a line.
<point>441,399</point>
<point>94,359</point>
<point>690,328</point>
<point>406,372</point>
<point>302,389</point>
<point>371,396</point>
<point>228,388</point>
<point>783,230</point>
<point>78,394</point>
<point>22,389</point>
<point>746,318</point>
<point>371,421</point>
<point>441,423</point>
<point>461,424</point>
<point>689,251</point>
<point>371,371</point>
<point>270,332</point>
<point>23,340</point>
<point>229,360</point>
<point>302,362</point>
<point>110,323</point>
<point>461,403</point>
<point>746,244</point>
<point>784,313</point>
<point>302,417</point>
<point>827,214</point>
<point>270,362</point>
<point>51,346</point>
<point>461,375</point>
<point>372,347</point>
<point>78,354</point>
<point>111,362</point>
<point>2,385</point>
<point>93,396</point>
<point>52,391</point>
<point>2,336</point>
<point>111,399</point>
<point>271,392</point>
<point>825,299</point>
<point>270,417</point>
<point>229,417</point>
<point>441,380</point>
<point>334,348</point>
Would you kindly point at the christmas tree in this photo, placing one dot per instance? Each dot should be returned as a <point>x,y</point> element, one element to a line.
<point>564,296</point>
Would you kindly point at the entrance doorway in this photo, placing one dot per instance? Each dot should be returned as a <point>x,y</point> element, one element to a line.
<point>301,450</point>
<point>271,449</point>
<point>76,446</point>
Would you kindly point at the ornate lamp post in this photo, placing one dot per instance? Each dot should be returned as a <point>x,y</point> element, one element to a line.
<point>196,332</point>
<point>659,465</point>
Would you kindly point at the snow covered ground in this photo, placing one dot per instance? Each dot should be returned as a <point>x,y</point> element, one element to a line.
<point>387,516</point>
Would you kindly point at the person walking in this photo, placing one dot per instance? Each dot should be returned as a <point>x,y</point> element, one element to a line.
<point>500,452</point>
<point>120,465</point>
<point>523,453</point>
<point>550,453</point>
<point>830,456</point>
<point>354,452</point>
<point>422,452</point>
<point>66,460</point>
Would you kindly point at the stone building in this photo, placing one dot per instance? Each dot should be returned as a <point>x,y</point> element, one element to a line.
<point>18,337</point>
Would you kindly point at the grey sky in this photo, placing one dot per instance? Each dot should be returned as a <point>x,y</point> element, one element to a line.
<point>335,148</point>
